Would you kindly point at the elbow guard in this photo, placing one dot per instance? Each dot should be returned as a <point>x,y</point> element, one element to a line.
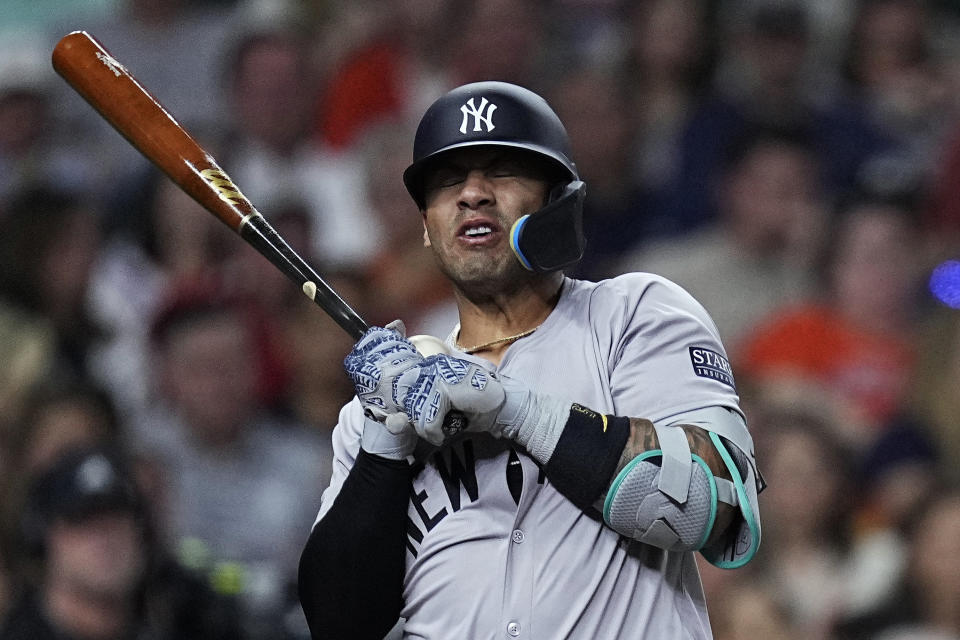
<point>668,497</point>
<point>635,506</point>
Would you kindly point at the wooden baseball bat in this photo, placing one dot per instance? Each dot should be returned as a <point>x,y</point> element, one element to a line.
<point>113,91</point>
<point>123,102</point>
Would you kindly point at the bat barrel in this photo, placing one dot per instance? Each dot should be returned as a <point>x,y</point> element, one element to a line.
<point>123,102</point>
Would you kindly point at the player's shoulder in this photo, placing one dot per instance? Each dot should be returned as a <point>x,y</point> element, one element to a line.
<point>638,302</point>
<point>632,289</point>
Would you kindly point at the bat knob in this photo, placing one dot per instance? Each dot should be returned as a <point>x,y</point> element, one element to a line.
<point>453,423</point>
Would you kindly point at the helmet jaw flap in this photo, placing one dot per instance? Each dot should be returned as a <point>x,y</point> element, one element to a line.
<point>552,238</point>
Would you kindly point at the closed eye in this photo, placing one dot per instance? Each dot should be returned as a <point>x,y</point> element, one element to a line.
<point>445,179</point>
<point>504,168</point>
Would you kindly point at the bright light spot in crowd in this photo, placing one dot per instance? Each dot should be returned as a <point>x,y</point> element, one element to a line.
<point>945,283</point>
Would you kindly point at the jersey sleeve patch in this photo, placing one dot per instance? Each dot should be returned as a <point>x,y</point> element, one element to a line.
<point>707,363</point>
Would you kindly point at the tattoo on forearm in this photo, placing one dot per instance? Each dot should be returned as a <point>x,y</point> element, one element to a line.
<point>643,437</point>
<point>701,445</point>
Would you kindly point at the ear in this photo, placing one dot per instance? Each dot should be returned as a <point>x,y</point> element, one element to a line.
<point>426,238</point>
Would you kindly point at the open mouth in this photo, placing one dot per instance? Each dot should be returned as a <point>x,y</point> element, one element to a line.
<point>477,231</point>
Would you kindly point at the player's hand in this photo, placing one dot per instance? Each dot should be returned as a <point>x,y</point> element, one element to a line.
<point>440,384</point>
<point>396,443</point>
<point>490,402</point>
<point>375,362</point>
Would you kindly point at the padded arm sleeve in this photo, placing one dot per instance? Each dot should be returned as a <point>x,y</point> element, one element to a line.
<point>352,567</point>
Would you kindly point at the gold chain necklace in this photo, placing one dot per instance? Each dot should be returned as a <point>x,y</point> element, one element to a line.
<point>497,342</point>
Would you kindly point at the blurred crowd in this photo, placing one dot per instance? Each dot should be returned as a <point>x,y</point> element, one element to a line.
<point>166,396</point>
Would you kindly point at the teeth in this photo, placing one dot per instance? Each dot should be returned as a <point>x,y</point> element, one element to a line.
<point>477,231</point>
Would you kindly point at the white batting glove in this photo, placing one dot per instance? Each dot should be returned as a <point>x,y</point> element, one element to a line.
<point>495,404</point>
<point>396,444</point>
<point>378,358</point>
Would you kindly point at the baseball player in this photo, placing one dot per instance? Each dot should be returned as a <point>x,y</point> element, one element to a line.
<point>553,473</point>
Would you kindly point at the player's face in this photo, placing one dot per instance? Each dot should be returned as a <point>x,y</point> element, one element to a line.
<point>473,197</point>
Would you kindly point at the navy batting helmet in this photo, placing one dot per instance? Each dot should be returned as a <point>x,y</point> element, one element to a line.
<point>506,115</point>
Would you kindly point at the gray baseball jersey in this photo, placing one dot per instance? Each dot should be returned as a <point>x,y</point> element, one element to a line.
<point>493,550</point>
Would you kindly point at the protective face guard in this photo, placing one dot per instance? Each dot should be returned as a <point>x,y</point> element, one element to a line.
<point>552,238</point>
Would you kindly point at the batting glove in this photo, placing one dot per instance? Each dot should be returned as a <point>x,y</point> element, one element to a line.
<point>396,443</point>
<point>374,364</point>
<point>500,406</point>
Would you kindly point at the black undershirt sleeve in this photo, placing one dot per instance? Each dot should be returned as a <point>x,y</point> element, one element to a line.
<point>352,567</point>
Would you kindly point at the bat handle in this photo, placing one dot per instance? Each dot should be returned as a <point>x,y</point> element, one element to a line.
<point>264,238</point>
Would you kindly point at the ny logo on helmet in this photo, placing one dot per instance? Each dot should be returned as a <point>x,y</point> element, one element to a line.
<point>469,109</point>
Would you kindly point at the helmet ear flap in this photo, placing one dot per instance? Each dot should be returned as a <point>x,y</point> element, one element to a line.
<point>552,238</point>
<point>557,192</point>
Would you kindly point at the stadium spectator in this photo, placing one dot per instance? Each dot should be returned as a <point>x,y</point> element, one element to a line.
<point>272,90</point>
<point>34,153</point>
<point>50,244</point>
<point>58,417</point>
<point>761,252</point>
<point>157,236</point>
<point>672,47</point>
<point>619,214</point>
<point>924,604</point>
<point>97,573</point>
<point>803,561</point>
<point>388,66</point>
<point>857,342</point>
<point>763,80</point>
<point>239,482</point>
